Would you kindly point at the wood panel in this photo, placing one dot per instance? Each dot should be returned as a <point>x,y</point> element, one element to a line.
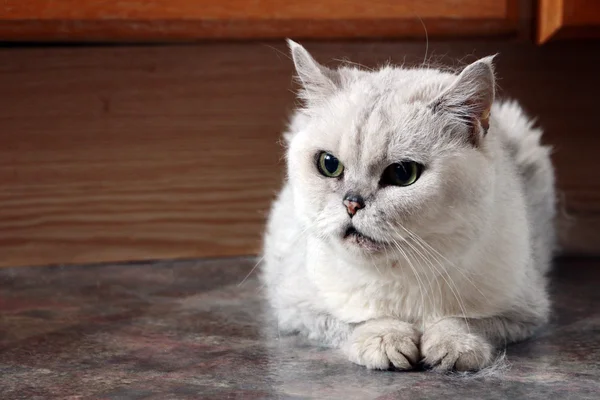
<point>131,153</point>
<point>162,20</point>
<point>568,19</point>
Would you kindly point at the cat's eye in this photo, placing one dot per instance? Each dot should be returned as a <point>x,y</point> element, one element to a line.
<point>402,174</point>
<point>329,166</point>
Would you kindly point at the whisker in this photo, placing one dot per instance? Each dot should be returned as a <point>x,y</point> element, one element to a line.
<point>419,282</point>
<point>422,256</point>
<point>251,271</point>
<point>375,265</point>
<point>298,237</point>
<point>420,239</point>
<point>450,284</point>
<point>426,42</point>
<point>431,268</point>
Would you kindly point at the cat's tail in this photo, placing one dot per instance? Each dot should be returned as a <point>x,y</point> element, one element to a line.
<point>535,168</point>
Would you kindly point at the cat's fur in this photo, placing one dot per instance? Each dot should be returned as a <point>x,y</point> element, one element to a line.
<point>466,247</point>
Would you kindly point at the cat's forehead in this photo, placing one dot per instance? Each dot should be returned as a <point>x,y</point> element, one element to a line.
<point>382,99</point>
<point>388,100</point>
<point>399,86</point>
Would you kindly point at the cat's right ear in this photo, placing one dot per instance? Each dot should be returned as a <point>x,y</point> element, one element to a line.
<point>317,80</point>
<point>469,99</point>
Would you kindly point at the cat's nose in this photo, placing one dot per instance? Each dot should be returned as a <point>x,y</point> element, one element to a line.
<point>353,203</point>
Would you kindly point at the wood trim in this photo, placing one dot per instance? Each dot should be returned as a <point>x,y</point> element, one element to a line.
<point>242,9</point>
<point>568,18</point>
<point>175,20</point>
<point>550,19</point>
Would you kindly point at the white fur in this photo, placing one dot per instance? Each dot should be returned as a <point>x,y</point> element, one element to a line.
<point>467,244</point>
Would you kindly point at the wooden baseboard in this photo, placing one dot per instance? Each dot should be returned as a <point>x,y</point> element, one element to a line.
<point>132,153</point>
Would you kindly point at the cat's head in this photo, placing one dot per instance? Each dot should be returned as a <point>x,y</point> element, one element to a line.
<point>377,158</point>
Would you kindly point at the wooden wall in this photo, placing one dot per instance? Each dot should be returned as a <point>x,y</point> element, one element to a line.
<point>131,153</point>
<point>176,20</point>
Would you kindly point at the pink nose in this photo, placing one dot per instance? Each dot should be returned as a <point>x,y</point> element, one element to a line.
<point>353,203</point>
<point>352,206</point>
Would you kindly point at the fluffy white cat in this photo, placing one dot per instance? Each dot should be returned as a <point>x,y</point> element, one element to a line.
<point>416,223</point>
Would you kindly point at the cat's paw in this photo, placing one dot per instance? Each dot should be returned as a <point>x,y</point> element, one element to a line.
<point>448,345</point>
<point>383,343</point>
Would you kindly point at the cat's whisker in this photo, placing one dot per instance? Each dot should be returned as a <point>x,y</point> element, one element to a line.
<point>251,271</point>
<point>451,285</point>
<point>277,51</point>
<point>375,265</point>
<point>429,286</point>
<point>426,43</point>
<point>431,298</point>
<point>449,282</point>
<point>299,236</point>
<point>419,282</point>
<point>422,241</point>
<point>430,266</point>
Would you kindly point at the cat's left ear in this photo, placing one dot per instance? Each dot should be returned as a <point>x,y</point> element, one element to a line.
<point>469,99</point>
<point>317,80</point>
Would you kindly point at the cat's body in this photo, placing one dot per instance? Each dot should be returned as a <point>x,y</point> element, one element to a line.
<point>442,269</point>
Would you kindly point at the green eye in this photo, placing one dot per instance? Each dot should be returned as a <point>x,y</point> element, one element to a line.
<point>329,166</point>
<point>402,174</point>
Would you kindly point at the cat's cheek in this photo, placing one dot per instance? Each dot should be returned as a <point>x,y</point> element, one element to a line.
<point>404,206</point>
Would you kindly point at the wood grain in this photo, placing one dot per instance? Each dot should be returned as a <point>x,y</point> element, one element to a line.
<point>131,153</point>
<point>168,20</point>
<point>568,19</point>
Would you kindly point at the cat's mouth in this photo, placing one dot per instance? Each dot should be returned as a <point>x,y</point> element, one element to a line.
<point>352,235</point>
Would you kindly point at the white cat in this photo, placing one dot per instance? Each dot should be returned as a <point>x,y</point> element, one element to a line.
<point>416,223</point>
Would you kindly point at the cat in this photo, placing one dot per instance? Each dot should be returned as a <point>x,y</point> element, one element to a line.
<point>415,226</point>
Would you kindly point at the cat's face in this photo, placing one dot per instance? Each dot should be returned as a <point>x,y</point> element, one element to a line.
<point>378,158</point>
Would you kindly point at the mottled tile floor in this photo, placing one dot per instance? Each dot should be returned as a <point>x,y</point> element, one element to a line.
<point>179,330</point>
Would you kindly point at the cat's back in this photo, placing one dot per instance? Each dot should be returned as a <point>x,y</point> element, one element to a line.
<point>522,141</point>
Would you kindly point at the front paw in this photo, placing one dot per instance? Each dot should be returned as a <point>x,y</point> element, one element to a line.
<point>383,343</point>
<point>448,345</point>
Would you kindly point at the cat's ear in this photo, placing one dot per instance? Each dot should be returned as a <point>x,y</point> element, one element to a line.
<point>317,80</point>
<point>469,99</point>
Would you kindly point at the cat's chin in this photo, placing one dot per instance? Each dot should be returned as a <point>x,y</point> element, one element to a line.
<point>356,240</point>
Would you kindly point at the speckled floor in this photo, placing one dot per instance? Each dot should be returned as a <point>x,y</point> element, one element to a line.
<point>179,330</point>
